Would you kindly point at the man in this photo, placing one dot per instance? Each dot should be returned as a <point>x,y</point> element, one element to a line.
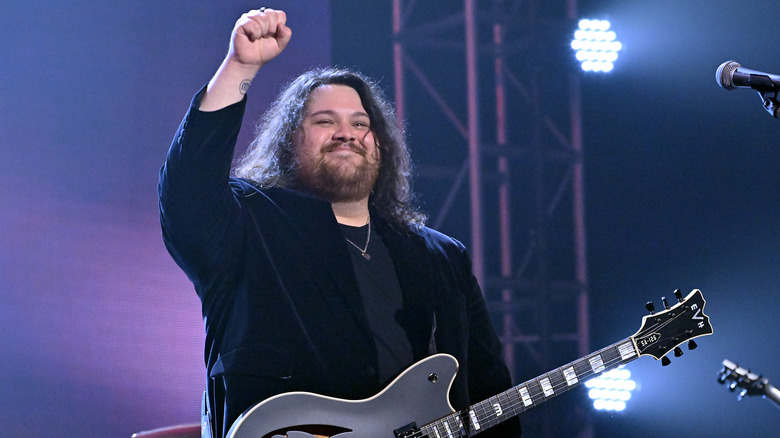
<point>314,270</point>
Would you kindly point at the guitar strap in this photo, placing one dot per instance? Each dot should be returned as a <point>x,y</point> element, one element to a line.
<point>432,342</point>
<point>205,416</point>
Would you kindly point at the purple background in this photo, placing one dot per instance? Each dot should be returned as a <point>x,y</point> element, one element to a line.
<point>102,334</point>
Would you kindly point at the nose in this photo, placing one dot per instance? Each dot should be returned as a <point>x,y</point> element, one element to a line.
<point>344,132</point>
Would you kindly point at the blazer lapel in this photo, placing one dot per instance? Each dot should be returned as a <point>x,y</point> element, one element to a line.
<point>322,243</point>
<point>416,277</point>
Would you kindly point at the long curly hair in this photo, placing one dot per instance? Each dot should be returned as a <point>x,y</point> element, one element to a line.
<point>270,161</point>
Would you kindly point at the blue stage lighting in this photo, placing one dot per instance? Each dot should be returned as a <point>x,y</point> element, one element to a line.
<point>595,45</point>
<point>611,390</point>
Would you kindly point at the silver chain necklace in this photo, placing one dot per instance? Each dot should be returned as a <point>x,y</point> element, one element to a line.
<point>363,250</point>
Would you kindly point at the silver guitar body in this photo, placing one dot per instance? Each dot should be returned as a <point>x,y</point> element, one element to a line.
<point>419,395</point>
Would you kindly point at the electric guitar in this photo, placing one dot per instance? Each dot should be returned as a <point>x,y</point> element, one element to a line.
<point>416,403</point>
<point>748,382</point>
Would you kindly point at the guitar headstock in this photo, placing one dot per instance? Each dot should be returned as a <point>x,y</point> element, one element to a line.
<point>664,331</point>
<point>737,377</point>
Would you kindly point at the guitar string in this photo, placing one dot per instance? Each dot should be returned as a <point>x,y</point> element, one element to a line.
<point>556,387</point>
<point>563,384</point>
<point>487,415</point>
<point>516,401</point>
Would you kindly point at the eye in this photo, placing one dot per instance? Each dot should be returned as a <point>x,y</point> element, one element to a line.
<point>361,124</point>
<point>323,122</point>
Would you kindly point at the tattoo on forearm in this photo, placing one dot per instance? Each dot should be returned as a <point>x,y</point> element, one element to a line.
<point>244,86</point>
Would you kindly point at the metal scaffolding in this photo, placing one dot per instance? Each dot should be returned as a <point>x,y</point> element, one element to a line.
<point>517,86</point>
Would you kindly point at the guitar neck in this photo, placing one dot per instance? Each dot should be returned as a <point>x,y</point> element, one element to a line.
<point>518,399</point>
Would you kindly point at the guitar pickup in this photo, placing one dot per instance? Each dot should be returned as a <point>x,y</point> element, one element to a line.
<point>406,431</point>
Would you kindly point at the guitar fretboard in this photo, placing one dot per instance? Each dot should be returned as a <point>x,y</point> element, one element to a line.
<point>501,407</point>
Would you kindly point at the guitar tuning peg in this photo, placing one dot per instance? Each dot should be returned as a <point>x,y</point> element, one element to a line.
<point>678,352</point>
<point>666,305</point>
<point>650,307</point>
<point>665,361</point>
<point>692,345</point>
<point>678,294</point>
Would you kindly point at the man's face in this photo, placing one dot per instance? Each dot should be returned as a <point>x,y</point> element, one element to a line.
<point>334,146</point>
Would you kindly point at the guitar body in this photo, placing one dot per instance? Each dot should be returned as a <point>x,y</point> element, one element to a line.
<point>420,395</point>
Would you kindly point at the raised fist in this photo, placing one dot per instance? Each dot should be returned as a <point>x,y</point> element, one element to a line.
<point>259,36</point>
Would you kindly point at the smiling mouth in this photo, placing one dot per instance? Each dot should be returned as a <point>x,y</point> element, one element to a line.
<point>340,147</point>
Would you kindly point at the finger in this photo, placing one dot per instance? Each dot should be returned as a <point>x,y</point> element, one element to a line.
<point>271,21</point>
<point>251,28</point>
<point>258,12</point>
<point>256,25</point>
<point>283,35</point>
<point>263,14</point>
<point>275,18</point>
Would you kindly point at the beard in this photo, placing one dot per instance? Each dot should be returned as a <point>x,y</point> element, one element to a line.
<point>336,178</point>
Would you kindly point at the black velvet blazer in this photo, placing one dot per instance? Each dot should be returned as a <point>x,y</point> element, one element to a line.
<point>280,299</point>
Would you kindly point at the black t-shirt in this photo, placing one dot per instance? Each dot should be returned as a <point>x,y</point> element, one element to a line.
<point>382,299</point>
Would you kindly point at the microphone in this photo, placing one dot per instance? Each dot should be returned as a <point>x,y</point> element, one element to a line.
<point>731,75</point>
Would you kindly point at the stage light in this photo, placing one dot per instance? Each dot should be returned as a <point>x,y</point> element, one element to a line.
<point>596,46</point>
<point>611,390</point>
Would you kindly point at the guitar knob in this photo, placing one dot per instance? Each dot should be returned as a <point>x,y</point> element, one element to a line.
<point>692,345</point>
<point>678,352</point>
<point>666,305</point>
<point>678,294</point>
<point>650,307</point>
<point>665,361</point>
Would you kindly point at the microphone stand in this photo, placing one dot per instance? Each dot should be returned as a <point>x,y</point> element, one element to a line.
<point>748,382</point>
<point>773,394</point>
<point>770,102</point>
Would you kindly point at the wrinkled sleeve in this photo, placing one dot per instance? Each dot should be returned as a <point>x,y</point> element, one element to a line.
<point>199,213</point>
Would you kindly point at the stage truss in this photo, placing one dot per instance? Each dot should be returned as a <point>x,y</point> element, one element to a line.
<point>501,77</point>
